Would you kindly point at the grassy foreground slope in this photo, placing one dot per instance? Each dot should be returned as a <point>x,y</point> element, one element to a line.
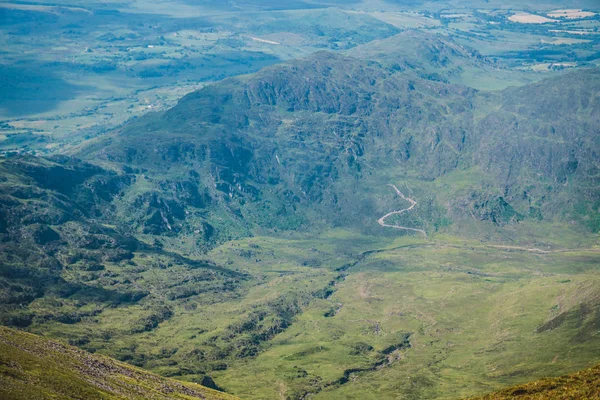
<point>581,385</point>
<point>32,367</point>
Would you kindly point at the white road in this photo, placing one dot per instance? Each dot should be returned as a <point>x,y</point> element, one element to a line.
<point>413,203</point>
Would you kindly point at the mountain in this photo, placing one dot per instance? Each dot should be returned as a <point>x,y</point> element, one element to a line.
<point>329,132</point>
<point>433,56</point>
<point>440,58</point>
<point>208,240</point>
<point>33,367</point>
<point>304,146</point>
<point>286,139</point>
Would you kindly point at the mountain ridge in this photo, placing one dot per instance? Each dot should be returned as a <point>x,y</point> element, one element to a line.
<point>289,107</point>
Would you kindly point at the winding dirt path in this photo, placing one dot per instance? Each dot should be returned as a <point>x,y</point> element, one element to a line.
<point>381,221</point>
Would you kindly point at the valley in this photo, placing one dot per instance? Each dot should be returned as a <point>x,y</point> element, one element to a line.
<point>305,200</point>
<point>105,63</point>
<point>427,299</point>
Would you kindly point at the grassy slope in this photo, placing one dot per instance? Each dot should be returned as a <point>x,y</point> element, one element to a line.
<point>32,367</point>
<point>581,385</point>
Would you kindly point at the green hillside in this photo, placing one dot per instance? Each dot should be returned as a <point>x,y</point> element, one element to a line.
<point>32,367</point>
<point>581,385</point>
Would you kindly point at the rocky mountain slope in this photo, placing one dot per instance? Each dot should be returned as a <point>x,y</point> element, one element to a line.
<point>329,132</point>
